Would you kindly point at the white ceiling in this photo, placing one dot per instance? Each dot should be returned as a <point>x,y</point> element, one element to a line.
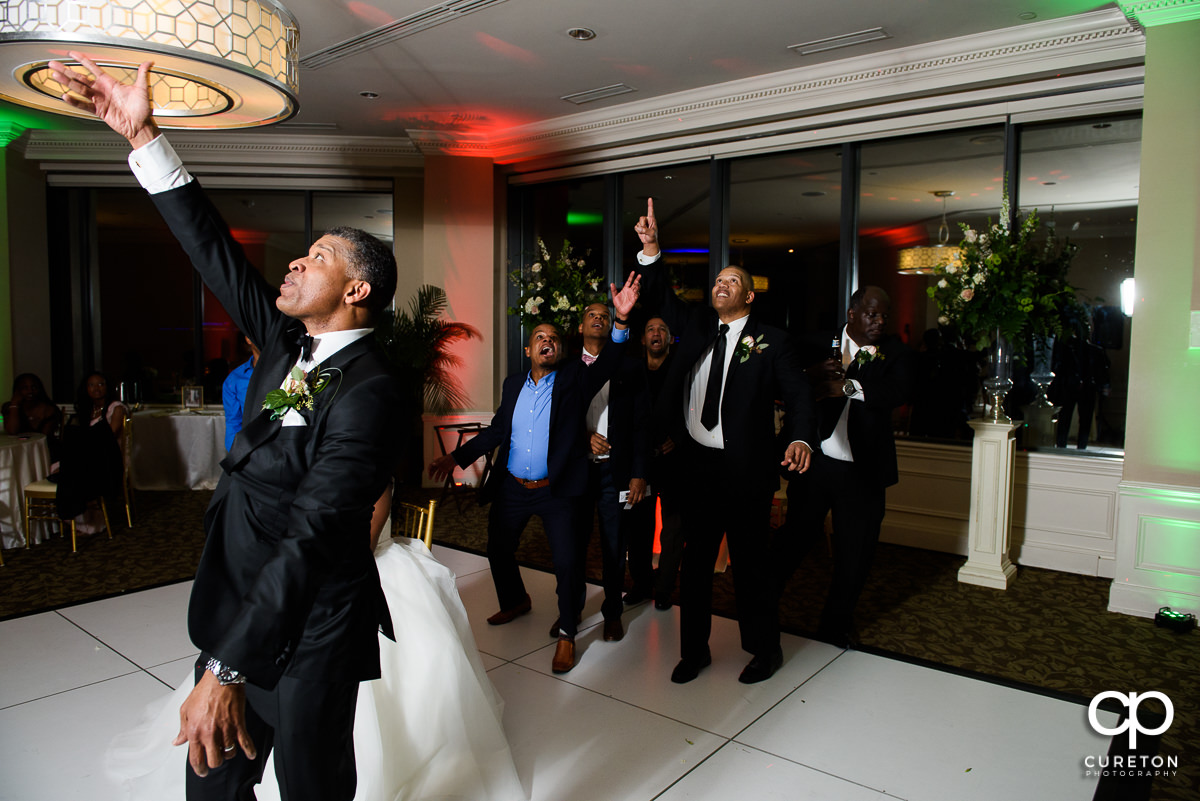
<point>510,63</point>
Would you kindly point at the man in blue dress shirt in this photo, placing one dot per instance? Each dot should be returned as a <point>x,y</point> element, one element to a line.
<point>233,393</point>
<point>544,446</point>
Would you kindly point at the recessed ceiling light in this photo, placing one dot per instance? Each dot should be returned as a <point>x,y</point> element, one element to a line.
<point>383,211</point>
<point>813,194</point>
<point>1049,183</point>
<point>581,34</point>
<point>1102,125</point>
<point>739,241</point>
<point>369,95</point>
<point>986,139</point>
<point>1027,15</point>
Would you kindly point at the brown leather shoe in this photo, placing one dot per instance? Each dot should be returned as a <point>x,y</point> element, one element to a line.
<point>564,655</point>
<point>511,614</point>
<point>613,630</point>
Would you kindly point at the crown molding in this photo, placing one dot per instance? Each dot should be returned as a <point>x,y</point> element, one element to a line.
<point>1149,13</point>
<point>305,152</point>
<point>1086,43</point>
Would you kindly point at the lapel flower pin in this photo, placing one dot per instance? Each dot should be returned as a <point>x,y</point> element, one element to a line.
<point>748,345</point>
<point>867,354</point>
<point>297,392</point>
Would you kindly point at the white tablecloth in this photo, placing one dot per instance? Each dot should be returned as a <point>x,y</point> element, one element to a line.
<point>23,459</point>
<point>177,450</point>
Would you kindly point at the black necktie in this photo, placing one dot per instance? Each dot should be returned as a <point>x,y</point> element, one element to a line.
<point>711,412</point>
<point>305,341</point>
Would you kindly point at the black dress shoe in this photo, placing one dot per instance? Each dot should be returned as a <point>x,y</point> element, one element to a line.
<point>613,630</point>
<point>761,667</point>
<point>688,669</point>
<point>662,604</point>
<point>839,638</point>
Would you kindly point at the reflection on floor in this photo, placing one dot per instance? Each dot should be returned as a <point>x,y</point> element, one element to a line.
<point>831,724</point>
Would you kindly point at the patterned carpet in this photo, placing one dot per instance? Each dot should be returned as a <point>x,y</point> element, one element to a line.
<point>1049,630</point>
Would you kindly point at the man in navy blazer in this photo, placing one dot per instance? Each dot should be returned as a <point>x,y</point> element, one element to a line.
<point>542,468</point>
<point>719,406</point>
<point>855,461</point>
<point>286,607</point>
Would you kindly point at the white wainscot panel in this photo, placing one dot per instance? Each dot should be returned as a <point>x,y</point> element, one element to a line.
<point>1158,550</point>
<point>1063,515</point>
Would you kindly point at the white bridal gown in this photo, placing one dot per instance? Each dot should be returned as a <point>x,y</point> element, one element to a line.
<point>430,728</point>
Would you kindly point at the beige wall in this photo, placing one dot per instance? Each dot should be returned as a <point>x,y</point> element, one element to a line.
<point>1162,441</point>
<point>459,255</point>
<point>23,271</point>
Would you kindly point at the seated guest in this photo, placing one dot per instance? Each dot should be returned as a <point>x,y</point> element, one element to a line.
<point>233,393</point>
<point>92,461</point>
<point>32,412</point>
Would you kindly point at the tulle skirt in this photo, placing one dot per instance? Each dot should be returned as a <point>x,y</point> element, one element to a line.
<point>430,728</point>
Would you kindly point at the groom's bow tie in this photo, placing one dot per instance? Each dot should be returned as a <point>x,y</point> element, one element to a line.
<point>305,341</point>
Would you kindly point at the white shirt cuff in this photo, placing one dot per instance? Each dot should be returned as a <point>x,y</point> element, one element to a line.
<point>858,395</point>
<point>645,260</point>
<point>157,167</point>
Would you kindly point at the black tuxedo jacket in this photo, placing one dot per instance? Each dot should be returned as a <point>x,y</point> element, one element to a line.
<point>287,582</point>
<point>751,387</point>
<point>574,385</point>
<point>887,383</point>
<point>628,421</point>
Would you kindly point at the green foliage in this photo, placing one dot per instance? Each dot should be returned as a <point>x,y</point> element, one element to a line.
<point>417,342</point>
<point>555,291</point>
<point>1008,282</point>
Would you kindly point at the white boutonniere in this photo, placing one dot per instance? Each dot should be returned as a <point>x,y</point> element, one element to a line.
<point>297,392</point>
<point>748,345</point>
<point>867,354</point>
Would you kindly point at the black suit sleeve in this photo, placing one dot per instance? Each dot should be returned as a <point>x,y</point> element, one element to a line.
<point>888,383</point>
<point>794,390</point>
<point>497,432</point>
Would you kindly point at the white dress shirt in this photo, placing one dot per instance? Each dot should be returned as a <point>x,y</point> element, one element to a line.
<point>837,445</point>
<point>698,382</point>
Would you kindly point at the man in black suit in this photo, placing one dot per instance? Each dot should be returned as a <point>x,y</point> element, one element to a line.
<point>542,468</point>
<point>856,393</point>
<point>661,489</point>
<point>286,605</point>
<point>616,420</point>
<point>719,406</point>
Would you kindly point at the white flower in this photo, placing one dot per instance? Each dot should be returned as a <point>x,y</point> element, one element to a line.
<point>536,268</point>
<point>942,284</point>
<point>967,294</point>
<point>943,320</point>
<point>581,263</point>
<point>869,349</point>
<point>969,235</point>
<point>594,285</point>
<point>531,305</point>
<point>951,269</point>
<point>560,302</point>
<point>980,277</point>
<point>748,341</point>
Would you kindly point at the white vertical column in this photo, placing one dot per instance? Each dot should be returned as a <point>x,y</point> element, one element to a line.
<point>993,456</point>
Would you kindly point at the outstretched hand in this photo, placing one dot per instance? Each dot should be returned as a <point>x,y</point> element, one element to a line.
<point>624,299</point>
<point>212,721</point>
<point>123,107</point>
<point>647,230</point>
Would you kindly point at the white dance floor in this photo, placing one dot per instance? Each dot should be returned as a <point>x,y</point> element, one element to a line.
<point>831,724</point>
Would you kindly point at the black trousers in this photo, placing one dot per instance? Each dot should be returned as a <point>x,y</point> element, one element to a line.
<point>857,504</point>
<point>640,540</point>
<point>714,504</point>
<point>601,497</point>
<point>310,727</point>
<point>510,514</point>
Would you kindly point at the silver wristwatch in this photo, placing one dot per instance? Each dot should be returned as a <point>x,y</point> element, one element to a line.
<point>225,674</point>
<point>849,389</point>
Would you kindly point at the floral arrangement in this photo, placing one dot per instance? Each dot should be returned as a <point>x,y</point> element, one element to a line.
<point>748,345</point>
<point>297,392</point>
<point>1006,282</point>
<point>554,291</point>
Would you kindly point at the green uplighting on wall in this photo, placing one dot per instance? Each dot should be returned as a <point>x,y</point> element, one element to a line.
<point>12,114</point>
<point>584,218</point>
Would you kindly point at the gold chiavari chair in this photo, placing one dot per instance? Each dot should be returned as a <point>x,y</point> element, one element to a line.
<point>40,504</point>
<point>417,521</point>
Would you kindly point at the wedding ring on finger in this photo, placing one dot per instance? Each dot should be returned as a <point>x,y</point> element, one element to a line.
<point>229,749</point>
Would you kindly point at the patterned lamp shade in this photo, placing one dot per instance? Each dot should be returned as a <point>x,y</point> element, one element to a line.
<point>217,63</point>
<point>922,260</point>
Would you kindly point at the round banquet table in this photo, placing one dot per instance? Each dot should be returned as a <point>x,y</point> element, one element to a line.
<point>177,450</point>
<point>23,459</point>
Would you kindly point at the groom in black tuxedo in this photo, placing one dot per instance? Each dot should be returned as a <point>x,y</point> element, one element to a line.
<point>286,606</point>
<point>855,462</point>
<point>718,402</point>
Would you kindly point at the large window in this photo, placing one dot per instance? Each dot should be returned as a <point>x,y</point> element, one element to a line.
<point>136,309</point>
<point>809,227</point>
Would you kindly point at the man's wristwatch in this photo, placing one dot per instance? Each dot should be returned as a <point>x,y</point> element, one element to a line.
<point>225,674</point>
<point>849,389</point>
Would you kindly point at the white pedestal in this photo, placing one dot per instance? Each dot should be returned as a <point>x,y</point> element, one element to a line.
<point>993,455</point>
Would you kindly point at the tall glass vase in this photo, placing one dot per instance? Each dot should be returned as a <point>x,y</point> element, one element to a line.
<point>999,378</point>
<point>1041,375</point>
